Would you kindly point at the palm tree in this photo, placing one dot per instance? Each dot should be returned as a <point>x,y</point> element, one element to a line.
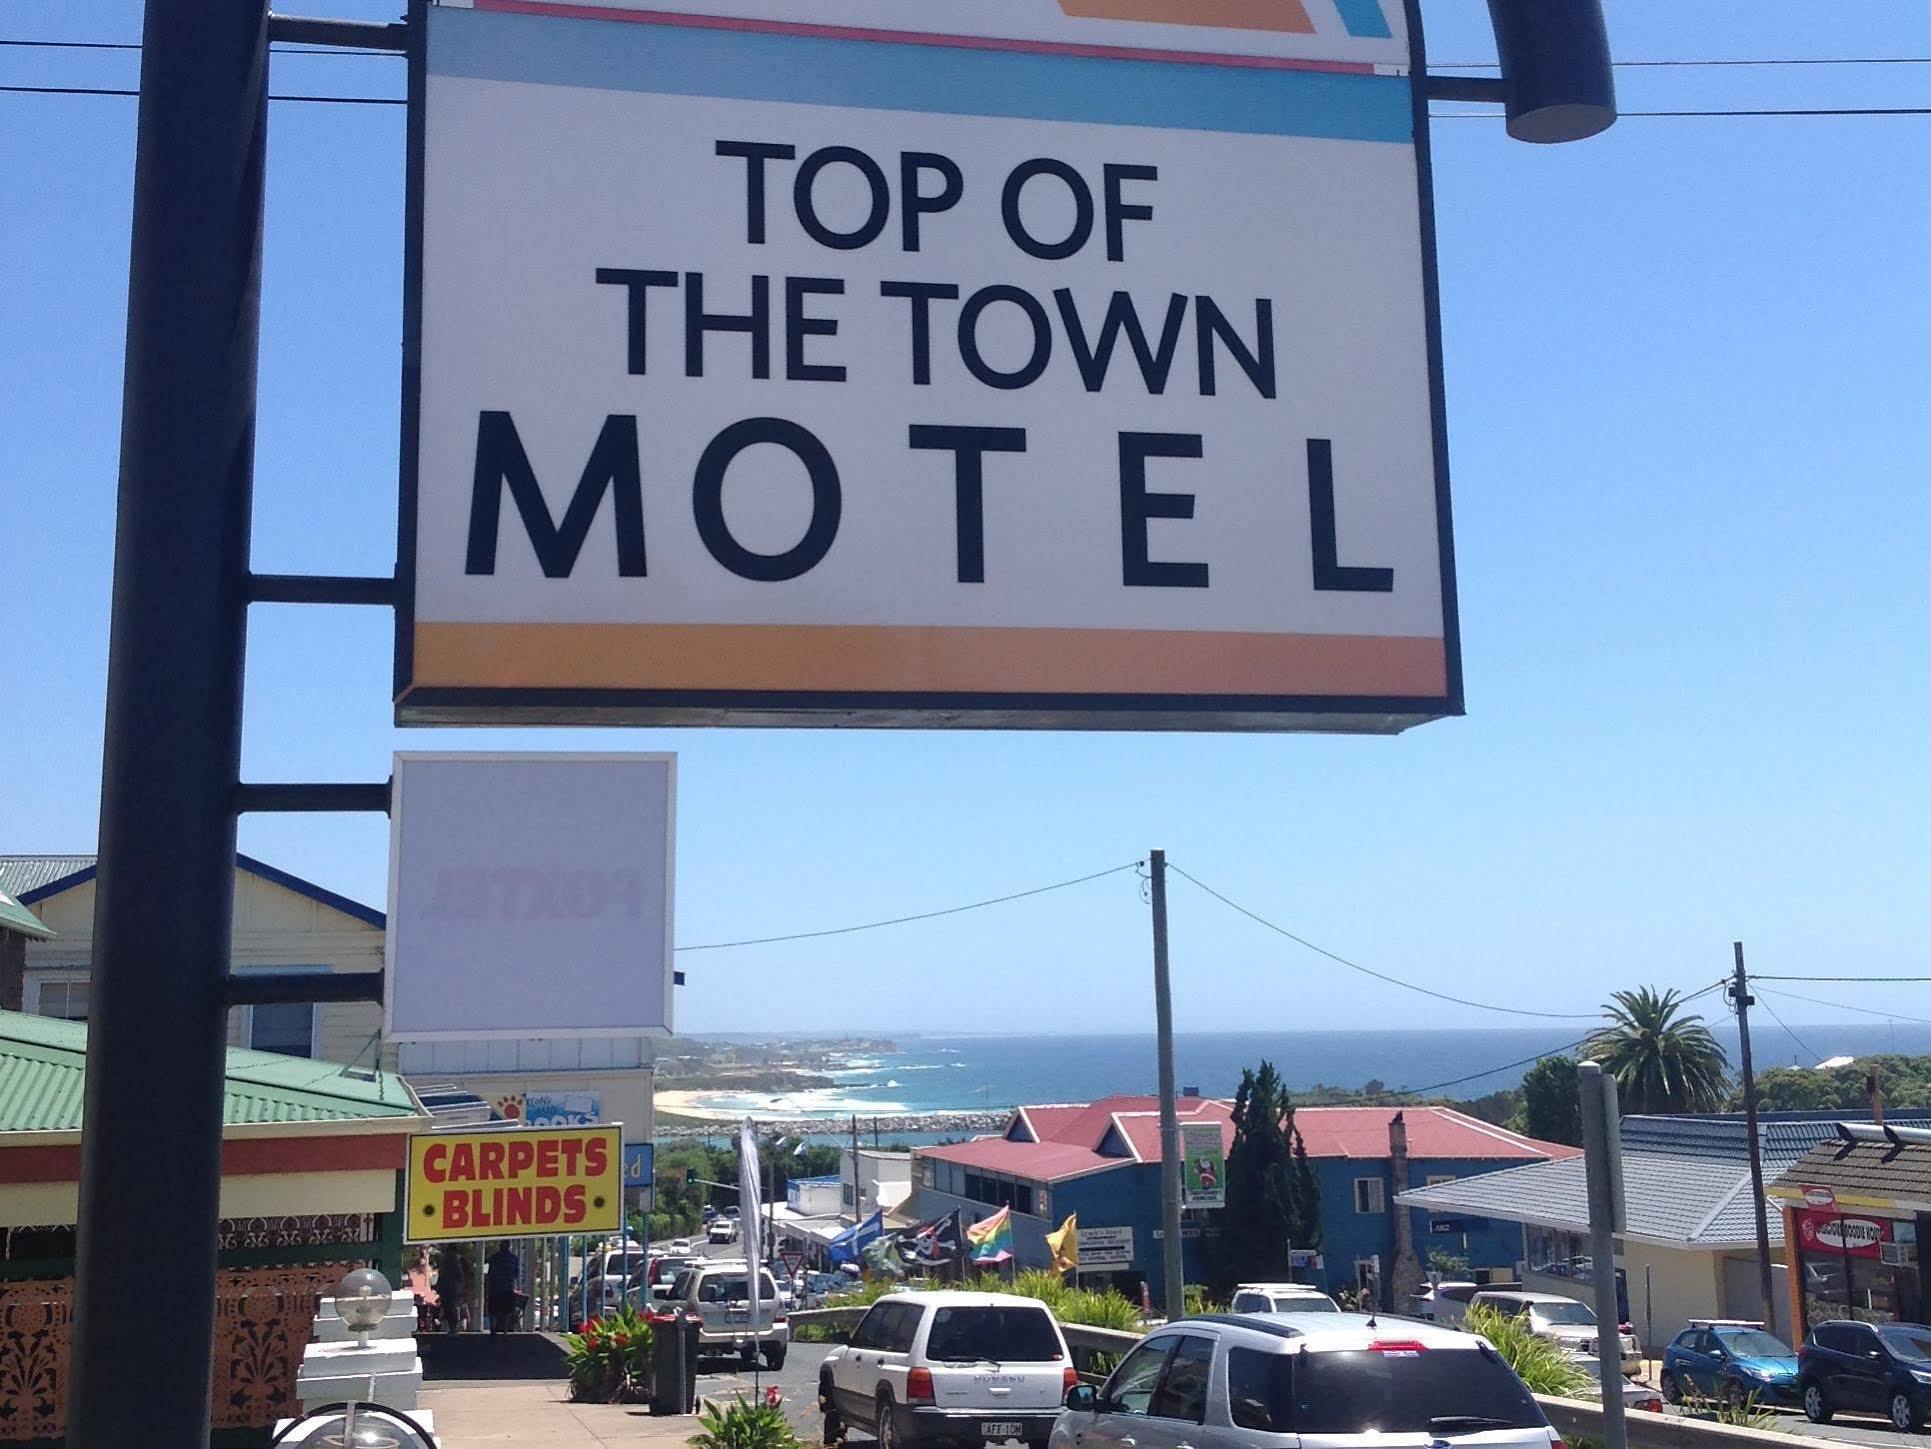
<point>1662,1062</point>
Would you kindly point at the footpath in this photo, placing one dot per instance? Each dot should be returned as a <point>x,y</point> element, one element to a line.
<point>480,1414</point>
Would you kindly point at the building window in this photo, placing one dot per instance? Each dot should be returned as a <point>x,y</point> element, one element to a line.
<point>998,1192</point>
<point>285,1027</point>
<point>1368,1196</point>
<point>1440,1179</point>
<point>926,1175</point>
<point>61,994</point>
<point>1558,1254</point>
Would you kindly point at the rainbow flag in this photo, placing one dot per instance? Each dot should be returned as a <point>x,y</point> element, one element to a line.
<point>991,1238</point>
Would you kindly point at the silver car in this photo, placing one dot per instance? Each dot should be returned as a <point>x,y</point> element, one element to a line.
<point>1335,1380</point>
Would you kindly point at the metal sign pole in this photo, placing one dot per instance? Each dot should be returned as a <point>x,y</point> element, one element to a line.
<point>169,782</point>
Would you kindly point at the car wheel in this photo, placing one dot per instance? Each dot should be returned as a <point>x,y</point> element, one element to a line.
<point>1904,1413</point>
<point>1672,1391</point>
<point>885,1420</point>
<point>1816,1406</point>
<point>774,1356</point>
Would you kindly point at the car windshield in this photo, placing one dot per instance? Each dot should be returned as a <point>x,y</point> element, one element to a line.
<point>1304,1303</point>
<point>1755,1343</point>
<point>1402,1392</point>
<point>1004,1335</point>
<point>1906,1340</point>
<point>1564,1315</point>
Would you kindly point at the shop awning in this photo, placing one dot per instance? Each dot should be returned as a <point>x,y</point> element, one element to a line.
<point>21,921</point>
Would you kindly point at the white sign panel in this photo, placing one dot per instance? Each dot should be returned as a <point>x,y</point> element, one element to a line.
<point>1105,1248</point>
<point>530,896</point>
<point>1029,362</point>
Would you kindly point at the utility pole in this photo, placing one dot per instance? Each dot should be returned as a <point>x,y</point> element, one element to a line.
<point>1169,1111</point>
<point>1602,1169</point>
<point>1743,1000</point>
<point>172,749</point>
<point>858,1191</point>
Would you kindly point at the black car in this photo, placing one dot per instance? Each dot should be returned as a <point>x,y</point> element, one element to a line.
<point>1880,1368</point>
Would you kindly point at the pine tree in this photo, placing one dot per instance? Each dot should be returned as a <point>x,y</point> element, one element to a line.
<point>1273,1197</point>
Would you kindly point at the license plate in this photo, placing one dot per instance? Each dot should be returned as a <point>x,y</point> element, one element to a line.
<point>738,1315</point>
<point>1001,1428</point>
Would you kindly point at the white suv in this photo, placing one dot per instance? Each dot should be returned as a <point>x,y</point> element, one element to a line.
<point>1562,1321</point>
<point>1334,1380</point>
<point>1282,1298</point>
<point>718,1291</point>
<point>948,1368</point>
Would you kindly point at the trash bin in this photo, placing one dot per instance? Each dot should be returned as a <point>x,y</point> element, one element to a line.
<point>669,1379</point>
<point>691,1328</point>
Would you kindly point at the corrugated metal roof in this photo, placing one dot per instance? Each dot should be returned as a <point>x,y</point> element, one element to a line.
<point>1883,1170</point>
<point>23,874</point>
<point>21,921</point>
<point>1685,1180</point>
<point>43,1061</point>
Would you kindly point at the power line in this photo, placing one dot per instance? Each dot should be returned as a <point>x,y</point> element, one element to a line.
<point>1841,1005</point>
<point>1799,111</point>
<point>135,45</point>
<point>115,91</point>
<point>1492,1071</point>
<point>1370,971</point>
<point>1802,1045</point>
<point>921,916</point>
<point>1648,64</point>
<point>1763,111</point>
<point>1848,979</point>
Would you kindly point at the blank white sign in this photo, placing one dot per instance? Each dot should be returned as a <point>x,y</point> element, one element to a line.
<point>530,896</point>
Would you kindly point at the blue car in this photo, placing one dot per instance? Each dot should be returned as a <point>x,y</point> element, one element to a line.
<point>1729,1362</point>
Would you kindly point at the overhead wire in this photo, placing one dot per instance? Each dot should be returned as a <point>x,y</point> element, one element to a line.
<point>1802,1045</point>
<point>1318,950</point>
<point>328,100</point>
<point>917,916</point>
<point>1840,1005</point>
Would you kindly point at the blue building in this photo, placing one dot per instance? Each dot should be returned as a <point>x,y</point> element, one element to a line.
<point>1101,1161</point>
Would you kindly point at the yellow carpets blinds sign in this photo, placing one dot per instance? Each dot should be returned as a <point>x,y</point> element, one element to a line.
<point>530,896</point>
<point>1027,362</point>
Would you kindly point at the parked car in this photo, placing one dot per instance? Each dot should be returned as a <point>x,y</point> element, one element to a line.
<point>1333,1379</point>
<point>1281,1298</point>
<point>718,1290</point>
<point>1563,1321</point>
<point>1635,1395</point>
<point>1729,1360</point>
<point>1882,1368</point>
<point>1445,1303</point>
<point>948,1367</point>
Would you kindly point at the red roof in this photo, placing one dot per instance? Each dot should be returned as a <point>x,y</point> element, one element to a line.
<point>1074,1139</point>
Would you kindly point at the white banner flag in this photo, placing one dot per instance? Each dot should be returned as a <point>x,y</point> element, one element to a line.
<point>750,1206</point>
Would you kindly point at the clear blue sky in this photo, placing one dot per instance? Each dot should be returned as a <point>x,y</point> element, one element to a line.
<point>1690,423</point>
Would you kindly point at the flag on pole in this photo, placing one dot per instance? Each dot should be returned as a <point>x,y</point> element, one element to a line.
<point>991,1238</point>
<point>1064,1245</point>
<point>750,1203</point>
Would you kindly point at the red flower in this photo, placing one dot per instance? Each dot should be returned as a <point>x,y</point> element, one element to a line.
<point>623,1340</point>
<point>772,1398</point>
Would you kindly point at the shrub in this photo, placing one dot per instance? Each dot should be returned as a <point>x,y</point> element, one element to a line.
<point>1744,1413</point>
<point>609,1360</point>
<point>1542,1365</point>
<point>746,1424</point>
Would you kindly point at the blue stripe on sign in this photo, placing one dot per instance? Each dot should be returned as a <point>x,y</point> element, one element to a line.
<point>1364,19</point>
<point>883,75</point>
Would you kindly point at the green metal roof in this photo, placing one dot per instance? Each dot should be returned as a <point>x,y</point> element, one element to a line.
<point>42,1062</point>
<point>17,918</point>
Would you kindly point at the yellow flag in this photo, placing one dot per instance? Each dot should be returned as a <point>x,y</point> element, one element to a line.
<point>1065,1245</point>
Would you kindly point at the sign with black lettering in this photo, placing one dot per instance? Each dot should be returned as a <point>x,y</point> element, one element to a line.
<point>1063,363</point>
<point>530,896</point>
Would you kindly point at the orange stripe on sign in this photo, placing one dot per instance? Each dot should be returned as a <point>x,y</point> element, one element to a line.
<point>1287,15</point>
<point>951,660</point>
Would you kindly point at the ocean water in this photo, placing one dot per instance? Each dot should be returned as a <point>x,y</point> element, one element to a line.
<point>992,1072</point>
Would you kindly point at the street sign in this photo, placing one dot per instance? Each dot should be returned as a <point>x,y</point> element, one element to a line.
<point>638,1161</point>
<point>530,896</point>
<point>793,1259</point>
<point>1105,1248</point>
<point>512,1183</point>
<point>1053,363</point>
<point>1203,1167</point>
<point>1447,1225</point>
